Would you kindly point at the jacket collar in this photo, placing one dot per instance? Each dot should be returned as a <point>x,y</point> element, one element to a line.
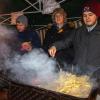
<point>91,27</point>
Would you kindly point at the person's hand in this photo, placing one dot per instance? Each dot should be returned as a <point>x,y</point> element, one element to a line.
<point>26,46</point>
<point>52,51</point>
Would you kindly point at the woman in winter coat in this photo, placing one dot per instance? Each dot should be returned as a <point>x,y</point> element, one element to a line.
<point>59,31</point>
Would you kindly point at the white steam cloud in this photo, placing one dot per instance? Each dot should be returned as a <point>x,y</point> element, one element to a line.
<point>6,38</point>
<point>32,68</point>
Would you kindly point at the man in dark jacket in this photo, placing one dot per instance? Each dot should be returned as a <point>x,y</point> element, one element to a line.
<point>28,38</point>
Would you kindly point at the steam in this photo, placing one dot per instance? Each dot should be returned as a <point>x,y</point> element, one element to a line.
<point>32,68</point>
<point>6,38</point>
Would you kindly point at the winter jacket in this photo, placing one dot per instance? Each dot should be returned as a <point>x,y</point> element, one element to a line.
<point>86,45</point>
<point>53,35</point>
<point>29,36</point>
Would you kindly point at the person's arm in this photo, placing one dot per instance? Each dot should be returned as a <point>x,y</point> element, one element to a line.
<point>61,45</point>
<point>64,43</point>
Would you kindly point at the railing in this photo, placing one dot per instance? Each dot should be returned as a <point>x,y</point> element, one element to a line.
<point>41,32</point>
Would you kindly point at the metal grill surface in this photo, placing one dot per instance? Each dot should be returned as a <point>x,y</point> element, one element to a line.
<point>24,92</point>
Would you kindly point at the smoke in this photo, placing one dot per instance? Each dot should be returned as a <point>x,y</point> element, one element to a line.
<point>6,38</point>
<point>32,68</point>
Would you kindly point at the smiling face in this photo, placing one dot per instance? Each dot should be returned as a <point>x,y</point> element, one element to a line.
<point>59,18</point>
<point>89,18</point>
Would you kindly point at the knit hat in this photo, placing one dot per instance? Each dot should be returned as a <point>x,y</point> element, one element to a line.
<point>22,19</point>
<point>94,6</point>
<point>89,9</point>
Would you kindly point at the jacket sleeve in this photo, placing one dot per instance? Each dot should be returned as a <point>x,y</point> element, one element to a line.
<point>64,43</point>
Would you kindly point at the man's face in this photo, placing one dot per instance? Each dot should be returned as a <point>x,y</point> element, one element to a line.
<point>59,18</point>
<point>89,18</point>
<point>20,27</point>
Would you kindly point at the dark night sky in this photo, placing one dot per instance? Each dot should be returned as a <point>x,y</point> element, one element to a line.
<point>73,7</point>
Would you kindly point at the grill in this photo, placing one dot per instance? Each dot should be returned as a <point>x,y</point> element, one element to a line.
<point>23,92</point>
<point>17,91</point>
<point>4,82</point>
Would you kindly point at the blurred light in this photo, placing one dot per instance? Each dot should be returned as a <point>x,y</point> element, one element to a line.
<point>49,6</point>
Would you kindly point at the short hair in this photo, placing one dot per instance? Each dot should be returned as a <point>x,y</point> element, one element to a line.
<point>60,11</point>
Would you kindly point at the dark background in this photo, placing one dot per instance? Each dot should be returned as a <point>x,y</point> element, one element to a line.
<point>72,7</point>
